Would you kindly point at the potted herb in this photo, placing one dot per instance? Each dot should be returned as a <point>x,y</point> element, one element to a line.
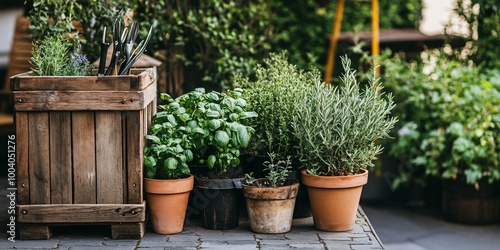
<point>337,128</point>
<point>214,135</point>
<point>452,133</point>
<point>272,95</point>
<point>270,201</point>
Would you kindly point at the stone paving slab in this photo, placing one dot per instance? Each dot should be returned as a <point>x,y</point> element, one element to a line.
<point>302,236</point>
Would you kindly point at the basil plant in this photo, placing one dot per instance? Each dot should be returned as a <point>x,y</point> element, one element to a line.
<point>197,128</point>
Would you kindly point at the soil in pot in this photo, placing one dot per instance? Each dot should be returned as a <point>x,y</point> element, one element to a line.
<point>167,202</point>
<point>334,200</point>
<point>270,209</point>
<point>464,203</point>
<point>222,198</point>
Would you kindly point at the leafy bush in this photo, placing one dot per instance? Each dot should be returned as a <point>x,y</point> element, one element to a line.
<point>337,127</point>
<point>198,128</point>
<point>450,118</point>
<point>272,95</point>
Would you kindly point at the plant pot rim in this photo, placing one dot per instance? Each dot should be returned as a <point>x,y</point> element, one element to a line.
<point>227,183</point>
<point>158,186</point>
<point>264,187</point>
<point>348,181</point>
<point>271,193</point>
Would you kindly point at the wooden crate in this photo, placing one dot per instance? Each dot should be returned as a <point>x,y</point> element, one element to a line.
<point>79,154</point>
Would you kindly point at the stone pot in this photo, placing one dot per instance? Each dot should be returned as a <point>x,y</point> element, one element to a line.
<point>270,209</point>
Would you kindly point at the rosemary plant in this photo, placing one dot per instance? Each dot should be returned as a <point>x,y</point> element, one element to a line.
<point>337,126</point>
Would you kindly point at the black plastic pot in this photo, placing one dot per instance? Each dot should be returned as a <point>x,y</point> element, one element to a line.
<point>222,199</point>
<point>255,164</point>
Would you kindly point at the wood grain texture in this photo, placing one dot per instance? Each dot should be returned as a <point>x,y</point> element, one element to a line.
<point>139,80</point>
<point>128,230</point>
<point>84,160</point>
<point>39,164</point>
<point>135,155</point>
<point>109,166</point>
<point>22,152</point>
<point>79,100</point>
<point>34,232</point>
<point>61,176</point>
<point>82,213</point>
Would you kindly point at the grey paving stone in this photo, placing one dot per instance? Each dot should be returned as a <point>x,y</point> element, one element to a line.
<point>307,246</point>
<point>270,236</point>
<point>150,248</point>
<point>102,248</point>
<point>120,242</point>
<point>364,247</point>
<point>80,242</point>
<point>31,244</point>
<point>404,246</point>
<point>230,247</point>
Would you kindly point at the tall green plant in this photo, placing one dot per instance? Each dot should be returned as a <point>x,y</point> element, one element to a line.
<point>272,95</point>
<point>338,126</point>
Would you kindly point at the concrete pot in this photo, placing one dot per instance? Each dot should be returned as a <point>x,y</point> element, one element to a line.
<point>167,202</point>
<point>334,199</point>
<point>270,210</point>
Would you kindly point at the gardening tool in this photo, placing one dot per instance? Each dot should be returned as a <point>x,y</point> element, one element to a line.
<point>104,53</point>
<point>116,46</point>
<point>139,50</point>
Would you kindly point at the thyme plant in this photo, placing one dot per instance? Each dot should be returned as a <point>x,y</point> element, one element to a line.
<point>337,126</point>
<point>277,173</point>
<point>278,83</point>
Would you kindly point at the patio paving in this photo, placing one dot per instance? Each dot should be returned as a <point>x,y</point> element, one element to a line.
<point>302,236</point>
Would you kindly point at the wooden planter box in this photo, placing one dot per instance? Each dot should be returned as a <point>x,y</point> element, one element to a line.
<point>79,152</point>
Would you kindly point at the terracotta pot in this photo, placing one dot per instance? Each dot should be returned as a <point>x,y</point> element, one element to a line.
<point>167,202</point>
<point>334,199</point>
<point>270,210</point>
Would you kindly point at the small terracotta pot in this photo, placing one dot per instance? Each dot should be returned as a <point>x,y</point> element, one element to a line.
<point>270,210</point>
<point>334,199</point>
<point>167,202</point>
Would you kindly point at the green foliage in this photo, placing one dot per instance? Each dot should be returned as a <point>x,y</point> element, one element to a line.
<point>199,128</point>
<point>53,18</point>
<point>218,37</point>
<point>52,57</point>
<point>277,173</point>
<point>337,127</point>
<point>483,17</point>
<point>450,122</point>
<point>272,95</point>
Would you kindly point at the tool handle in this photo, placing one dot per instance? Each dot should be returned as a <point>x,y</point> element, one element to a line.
<point>102,61</point>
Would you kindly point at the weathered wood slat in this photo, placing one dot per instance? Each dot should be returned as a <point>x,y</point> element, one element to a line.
<point>61,184</point>
<point>84,164</point>
<point>109,157</point>
<point>39,170</point>
<point>124,117</point>
<point>135,82</point>
<point>128,230</point>
<point>82,213</point>
<point>135,155</point>
<point>34,232</point>
<point>22,141</point>
<point>82,100</point>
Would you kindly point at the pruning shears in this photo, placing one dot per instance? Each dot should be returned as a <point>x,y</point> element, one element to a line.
<point>123,57</point>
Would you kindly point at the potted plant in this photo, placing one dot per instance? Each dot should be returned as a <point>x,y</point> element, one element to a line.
<point>270,201</point>
<point>452,133</point>
<point>278,83</point>
<point>214,135</point>
<point>337,128</point>
<point>168,181</point>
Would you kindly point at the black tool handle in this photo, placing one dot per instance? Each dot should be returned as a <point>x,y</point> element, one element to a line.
<point>102,61</point>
